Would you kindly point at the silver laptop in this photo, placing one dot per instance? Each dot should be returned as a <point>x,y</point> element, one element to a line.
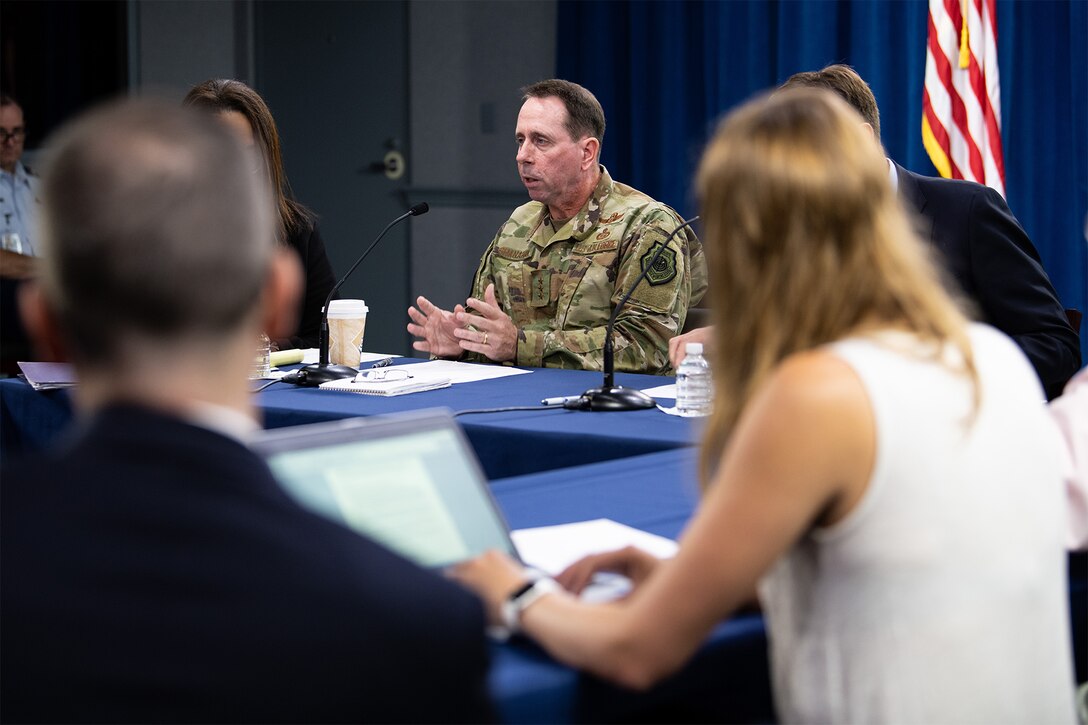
<point>409,481</point>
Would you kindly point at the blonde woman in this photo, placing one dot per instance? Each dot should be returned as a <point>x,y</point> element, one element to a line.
<point>883,470</point>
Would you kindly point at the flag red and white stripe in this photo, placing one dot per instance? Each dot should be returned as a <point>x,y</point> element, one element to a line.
<point>961,103</point>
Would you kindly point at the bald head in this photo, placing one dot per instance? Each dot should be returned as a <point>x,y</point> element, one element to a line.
<point>155,230</point>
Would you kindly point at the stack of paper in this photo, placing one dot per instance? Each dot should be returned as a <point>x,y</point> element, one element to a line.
<point>48,375</point>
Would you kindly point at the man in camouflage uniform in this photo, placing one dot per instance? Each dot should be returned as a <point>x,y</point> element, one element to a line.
<point>555,271</point>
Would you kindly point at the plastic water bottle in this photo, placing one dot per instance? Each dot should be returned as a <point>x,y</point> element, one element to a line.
<point>262,358</point>
<point>694,386</point>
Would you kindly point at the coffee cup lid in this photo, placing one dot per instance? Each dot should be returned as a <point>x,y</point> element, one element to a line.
<point>348,308</point>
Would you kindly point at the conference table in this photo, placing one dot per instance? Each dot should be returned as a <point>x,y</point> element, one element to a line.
<point>507,443</point>
<point>546,466</point>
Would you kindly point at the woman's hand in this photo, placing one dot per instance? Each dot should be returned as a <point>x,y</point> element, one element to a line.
<point>635,564</point>
<point>493,576</point>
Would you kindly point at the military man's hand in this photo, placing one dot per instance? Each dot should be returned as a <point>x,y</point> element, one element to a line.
<point>677,353</point>
<point>435,327</point>
<point>495,335</point>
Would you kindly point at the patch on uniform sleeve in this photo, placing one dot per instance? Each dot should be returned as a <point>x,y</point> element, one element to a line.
<point>664,269</point>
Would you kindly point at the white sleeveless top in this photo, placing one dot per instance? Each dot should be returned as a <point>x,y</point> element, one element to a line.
<point>941,598</point>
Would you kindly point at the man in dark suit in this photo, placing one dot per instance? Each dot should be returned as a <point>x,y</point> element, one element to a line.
<point>152,568</point>
<point>995,264</point>
<point>982,247</point>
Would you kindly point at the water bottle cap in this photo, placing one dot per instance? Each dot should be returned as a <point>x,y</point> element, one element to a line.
<point>694,348</point>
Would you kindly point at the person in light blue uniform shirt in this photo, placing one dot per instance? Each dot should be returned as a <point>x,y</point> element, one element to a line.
<point>18,186</point>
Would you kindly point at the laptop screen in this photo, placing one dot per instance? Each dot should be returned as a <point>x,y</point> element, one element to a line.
<point>410,482</point>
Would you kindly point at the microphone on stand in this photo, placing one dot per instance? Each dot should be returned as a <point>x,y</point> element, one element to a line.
<point>322,372</point>
<point>610,396</point>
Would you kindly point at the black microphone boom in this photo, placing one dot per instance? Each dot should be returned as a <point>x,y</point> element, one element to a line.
<point>322,372</point>
<point>610,396</point>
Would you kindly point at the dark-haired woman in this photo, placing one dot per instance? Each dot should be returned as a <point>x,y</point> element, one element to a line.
<point>243,109</point>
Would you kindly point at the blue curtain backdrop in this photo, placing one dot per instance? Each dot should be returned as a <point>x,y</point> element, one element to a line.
<point>665,71</point>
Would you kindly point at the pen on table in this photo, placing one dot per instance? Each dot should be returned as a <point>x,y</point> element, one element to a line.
<point>562,400</point>
<point>381,363</point>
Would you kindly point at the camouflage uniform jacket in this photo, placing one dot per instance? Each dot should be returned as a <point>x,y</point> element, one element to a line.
<point>560,286</point>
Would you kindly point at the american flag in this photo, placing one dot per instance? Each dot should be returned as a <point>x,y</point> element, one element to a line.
<point>961,102</point>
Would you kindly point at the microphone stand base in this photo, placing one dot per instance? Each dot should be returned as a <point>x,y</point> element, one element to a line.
<point>613,399</point>
<point>313,375</point>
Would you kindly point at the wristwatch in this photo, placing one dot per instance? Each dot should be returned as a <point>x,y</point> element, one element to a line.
<point>523,597</point>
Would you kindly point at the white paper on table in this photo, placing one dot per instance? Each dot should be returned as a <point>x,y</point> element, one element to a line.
<point>662,391</point>
<point>461,372</point>
<point>553,548</point>
<point>676,411</point>
<point>369,357</point>
<point>310,356</point>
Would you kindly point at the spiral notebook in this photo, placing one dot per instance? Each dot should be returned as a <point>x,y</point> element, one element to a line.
<point>387,386</point>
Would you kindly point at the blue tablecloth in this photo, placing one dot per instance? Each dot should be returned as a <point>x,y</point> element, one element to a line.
<point>510,443</point>
<point>507,444</point>
<point>726,682</point>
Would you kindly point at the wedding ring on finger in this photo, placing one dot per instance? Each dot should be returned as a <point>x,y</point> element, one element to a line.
<point>485,338</point>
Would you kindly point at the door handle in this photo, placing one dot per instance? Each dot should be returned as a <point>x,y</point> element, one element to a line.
<point>391,165</point>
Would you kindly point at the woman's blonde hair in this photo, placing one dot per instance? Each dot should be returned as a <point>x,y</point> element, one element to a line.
<point>807,244</point>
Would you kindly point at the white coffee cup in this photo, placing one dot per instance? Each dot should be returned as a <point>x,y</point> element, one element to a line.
<point>347,322</point>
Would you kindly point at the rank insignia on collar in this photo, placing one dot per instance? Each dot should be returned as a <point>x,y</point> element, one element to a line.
<point>664,269</point>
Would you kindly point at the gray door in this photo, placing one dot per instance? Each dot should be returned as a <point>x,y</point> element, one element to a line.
<point>335,76</point>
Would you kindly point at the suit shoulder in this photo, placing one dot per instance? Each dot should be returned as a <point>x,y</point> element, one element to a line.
<point>302,227</point>
<point>959,188</point>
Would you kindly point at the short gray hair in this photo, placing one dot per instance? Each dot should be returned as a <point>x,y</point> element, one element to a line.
<point>155,229</point>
